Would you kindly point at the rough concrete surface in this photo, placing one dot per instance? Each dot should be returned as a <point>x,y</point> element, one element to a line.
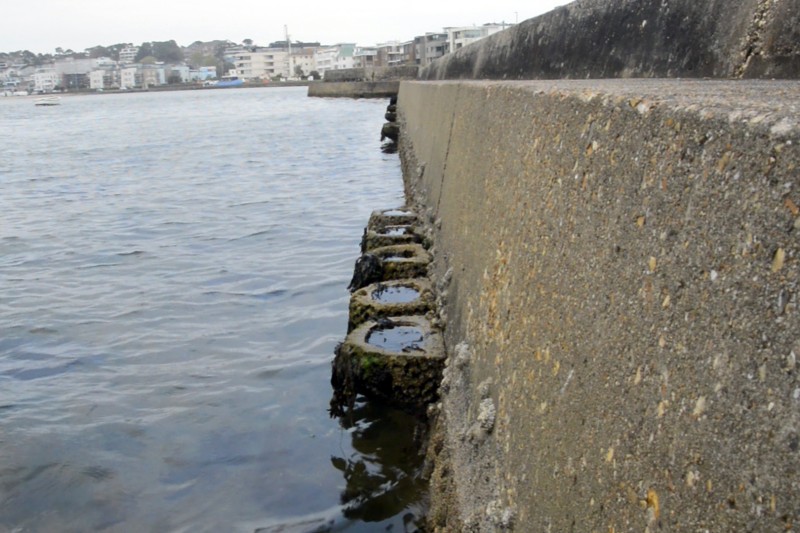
<point>356,89</point>
<point>639,38</point>
<point>404,377</point>
<point>622,307</point>
<point>394,73</point>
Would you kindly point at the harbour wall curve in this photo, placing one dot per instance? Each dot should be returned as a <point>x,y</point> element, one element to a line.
<point>618,266</point>
<point>638,38</point>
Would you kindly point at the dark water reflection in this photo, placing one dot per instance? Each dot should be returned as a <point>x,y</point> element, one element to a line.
<point>384,475</point>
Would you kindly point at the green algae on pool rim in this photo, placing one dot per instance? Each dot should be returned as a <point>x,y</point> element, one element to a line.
<point>392,298</point>
<point>403,261</point>
<point>389,236</point>
<point>398,360</point>
<point>379,220</point>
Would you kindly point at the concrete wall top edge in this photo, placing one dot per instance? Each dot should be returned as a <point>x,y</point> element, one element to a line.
<point>773,106</point>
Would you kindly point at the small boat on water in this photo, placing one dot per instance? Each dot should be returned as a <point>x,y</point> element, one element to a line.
<point>48,101</point>
<point>229,81</point>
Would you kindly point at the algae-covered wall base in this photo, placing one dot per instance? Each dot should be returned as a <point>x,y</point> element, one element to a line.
<point>623,261</point>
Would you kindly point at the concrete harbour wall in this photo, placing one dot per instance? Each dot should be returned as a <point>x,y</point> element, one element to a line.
<point>404,72</point>
<point>618,262</point>
<point>639,38</point>
<point>355,89</point>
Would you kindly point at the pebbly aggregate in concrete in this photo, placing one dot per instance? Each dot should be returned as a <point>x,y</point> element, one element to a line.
<point>622,264</point>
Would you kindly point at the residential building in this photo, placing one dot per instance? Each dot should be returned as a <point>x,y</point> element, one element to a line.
<point>409,52</point>
<point>458,37</point>
<point>153,75</point>
<point>302,60</point>
<point>261,63</point>
<point>365,57</point>
<point>105,62</point>
<point>232,51</point>
<point>130,77</point>
<point>45,80</point>
<point>429,47</point>
<point>203,74</point>
<point>336,57</point>
<point>128,54</point>
<point>393,54</point>
<point>74,72</point>
<point>179,74</point>
<point>105,78</point>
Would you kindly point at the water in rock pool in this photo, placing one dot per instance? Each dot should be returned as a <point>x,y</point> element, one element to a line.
<point>173,272</point>
<point>396,294</point>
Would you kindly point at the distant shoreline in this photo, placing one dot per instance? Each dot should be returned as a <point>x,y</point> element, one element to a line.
<point>170,88</point>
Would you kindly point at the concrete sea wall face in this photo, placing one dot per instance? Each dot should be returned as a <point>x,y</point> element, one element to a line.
<point>405,72</point>
<point>619,264</point>
<point>639,38</point>
<point>356,89</point>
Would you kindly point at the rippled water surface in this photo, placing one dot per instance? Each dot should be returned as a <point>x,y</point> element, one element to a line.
<point>172,285</point>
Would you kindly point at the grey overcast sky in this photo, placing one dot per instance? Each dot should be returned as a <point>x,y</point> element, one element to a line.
<point>44,25</point>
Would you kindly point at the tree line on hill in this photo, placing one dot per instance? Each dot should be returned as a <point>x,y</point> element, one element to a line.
<point>197,54</point>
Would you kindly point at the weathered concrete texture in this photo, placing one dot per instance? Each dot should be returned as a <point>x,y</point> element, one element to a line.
<point>380,220</point>
<point>372,89</point>
<point>390,236</point>
<point>639,38</point>
<point>407,378</point>
<point>403,261</point>
<point>625,258</point>
<point>368,304</point>
<point>404,72</point>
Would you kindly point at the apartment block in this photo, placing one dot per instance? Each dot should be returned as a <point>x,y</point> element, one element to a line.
<point>128,54</point>
<point>365,57</point>
<point>394,54</point>
<point>45,80</point>
<point>105,78</point>
<point>429,47</point>
<point>336,57</point>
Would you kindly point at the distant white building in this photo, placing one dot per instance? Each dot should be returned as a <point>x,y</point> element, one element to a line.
<point>365,57</point>
<point>105,78</point>
<point>130,77</point>
<point>45,80</point>
<point>153,75</point>
<point>104,62</point>
<point>336,57</point>
<point>203,74</point>
<point>302,59</point>
<point>128,54</point>
<point>182,72</point>
<point>74,72</point>
<point>96,81</point>
<point>261,63</point>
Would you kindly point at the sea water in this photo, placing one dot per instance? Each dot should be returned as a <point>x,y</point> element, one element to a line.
<point>172,286</point>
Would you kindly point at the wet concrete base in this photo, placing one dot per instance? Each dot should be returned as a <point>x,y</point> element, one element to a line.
<point>389,236</point>
<point>381,219</point>
<point>403,261</point>
<point>397,360</point>
<point>392,298</point>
